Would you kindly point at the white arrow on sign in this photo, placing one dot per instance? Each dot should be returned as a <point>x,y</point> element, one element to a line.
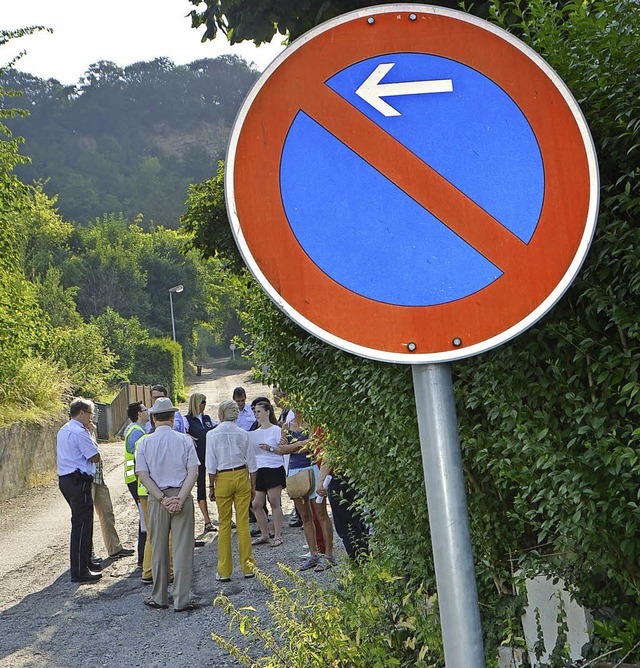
<point>372,91</point>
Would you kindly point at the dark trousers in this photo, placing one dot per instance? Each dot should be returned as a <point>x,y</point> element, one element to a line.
<point>142,535</point>
<point>78,496</point>
<point>347,520</point>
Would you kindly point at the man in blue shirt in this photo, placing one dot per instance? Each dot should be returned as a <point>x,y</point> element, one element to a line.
<point>245,415</point>
<point>157,392</point>
<point>77,453</point>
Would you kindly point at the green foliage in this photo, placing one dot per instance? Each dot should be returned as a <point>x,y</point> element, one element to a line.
<point>13,193</point>
<point>619,639</point>
<point>24,329</point>
<point>206,219</point>
<point>128,139</point>
<point>122,336</point>
<point>58,302</point>
<point>82,350</point>
<point>258,21</point>
<point>159,361</point>
<point>105,263</point>
<point>48,234</point>
<point>378,620</point>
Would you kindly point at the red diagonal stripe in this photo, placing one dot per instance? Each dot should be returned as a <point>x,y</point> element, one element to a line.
<point>422,183</point>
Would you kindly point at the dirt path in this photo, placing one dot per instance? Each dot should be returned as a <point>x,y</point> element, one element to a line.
<point>48,622</point>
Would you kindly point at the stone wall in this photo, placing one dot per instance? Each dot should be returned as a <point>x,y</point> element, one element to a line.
<point>27,456</point>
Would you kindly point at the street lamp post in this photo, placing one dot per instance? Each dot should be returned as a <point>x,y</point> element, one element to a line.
<point>175,288</point>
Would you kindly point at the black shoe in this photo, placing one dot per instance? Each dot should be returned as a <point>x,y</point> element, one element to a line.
<point>199,543</point>
<point>123,552</point>
<point>95,566</point>
<point>87,577</point>
<point>295,522</point>
<point>255,532</point>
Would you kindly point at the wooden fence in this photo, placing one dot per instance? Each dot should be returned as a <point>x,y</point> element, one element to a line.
<point>112,418</point>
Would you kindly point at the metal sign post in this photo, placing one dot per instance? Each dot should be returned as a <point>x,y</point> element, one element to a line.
<point>448,519</point>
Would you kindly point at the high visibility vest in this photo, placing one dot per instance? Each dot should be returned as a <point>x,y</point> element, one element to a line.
<point>142,490</point>
<point>130,457</point>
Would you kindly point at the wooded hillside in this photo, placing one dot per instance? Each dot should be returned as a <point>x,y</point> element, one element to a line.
<point>128,139</point>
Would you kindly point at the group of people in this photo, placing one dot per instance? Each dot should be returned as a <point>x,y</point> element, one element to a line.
<point>247,456</point>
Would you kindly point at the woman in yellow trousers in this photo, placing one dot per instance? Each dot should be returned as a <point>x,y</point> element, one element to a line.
<point>231,465</point>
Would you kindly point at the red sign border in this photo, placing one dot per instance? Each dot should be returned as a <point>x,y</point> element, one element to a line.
<point>363,326</point>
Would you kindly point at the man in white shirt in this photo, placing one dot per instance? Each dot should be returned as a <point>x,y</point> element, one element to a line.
<point>231,464</point>
<point>77,454</point>
<point>167,465</point>
<point>245,418</point>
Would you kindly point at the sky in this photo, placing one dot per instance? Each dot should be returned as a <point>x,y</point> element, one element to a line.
<point>122,31</point>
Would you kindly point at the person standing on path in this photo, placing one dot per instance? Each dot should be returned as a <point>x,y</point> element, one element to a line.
<point>179,425</point>
<point>198,425</point>
<point>167,465</point>
<point>137,413</point>
<point>245,417</point>
<point>270,479</point>
<point>77,454</point>
<point>231,464</point>
<point>103,506</point>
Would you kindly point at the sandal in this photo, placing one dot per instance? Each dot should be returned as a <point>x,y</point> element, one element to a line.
<point>155,605</point>
<point>309,563</point>
<point>191,605</point>
<point>276,542</point>
<point>208,527</point>
<point>325,563</point>
<point>259,541</point>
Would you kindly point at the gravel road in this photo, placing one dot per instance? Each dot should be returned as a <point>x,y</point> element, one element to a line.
<point>46,621</point>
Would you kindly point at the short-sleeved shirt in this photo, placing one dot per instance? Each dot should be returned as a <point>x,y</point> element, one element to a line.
<point>166,455</point>
<point>269,436</point>
<point>74,449</point>
<point>178,424</point>
<point>245,418</point>
<point>228,448</point>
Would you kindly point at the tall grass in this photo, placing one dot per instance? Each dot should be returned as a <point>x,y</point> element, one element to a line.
<point>35,394</point>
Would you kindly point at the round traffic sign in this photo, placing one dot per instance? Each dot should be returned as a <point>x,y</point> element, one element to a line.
<point>412,184</point>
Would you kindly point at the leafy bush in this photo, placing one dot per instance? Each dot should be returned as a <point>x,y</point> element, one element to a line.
<point>618,640</point>
<point>374,620</point>
<point>122,336</point>
<point>25,329</point>
<point>159,361</point>
<point>83,352</point>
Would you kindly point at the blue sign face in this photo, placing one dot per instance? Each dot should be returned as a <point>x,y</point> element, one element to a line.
<point>352,221</point>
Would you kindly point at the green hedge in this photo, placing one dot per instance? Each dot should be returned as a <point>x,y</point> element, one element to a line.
<point>159,362</point>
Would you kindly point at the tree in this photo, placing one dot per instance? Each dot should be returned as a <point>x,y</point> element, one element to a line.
<point>128,139</point>
<point>260,21</point>
<point>206,219</point>
<point>123,336</point>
